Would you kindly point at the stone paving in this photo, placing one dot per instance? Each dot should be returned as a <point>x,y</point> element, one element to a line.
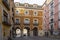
<point>35,38</point>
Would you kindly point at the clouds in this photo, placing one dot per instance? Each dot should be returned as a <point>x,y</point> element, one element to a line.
<point>39,2</point>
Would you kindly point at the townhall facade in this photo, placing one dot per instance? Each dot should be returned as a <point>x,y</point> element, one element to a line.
<point>29,19</point>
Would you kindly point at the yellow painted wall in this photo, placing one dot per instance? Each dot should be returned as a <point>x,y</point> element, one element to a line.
<point>0,14</point>
<point>40,13</point>
<point>6,29</point>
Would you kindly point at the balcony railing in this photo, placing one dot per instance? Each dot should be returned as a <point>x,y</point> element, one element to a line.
<point>7,5</point>
<point>6,22</point>
<point>26,23</point>
<point>17,23</point>
<point>35,24</point>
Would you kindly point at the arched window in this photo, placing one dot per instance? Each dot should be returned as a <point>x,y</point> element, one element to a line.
<point>17,4</point>
<point>26,5</point>
<point>17,20</point>
<point>26,20</point>
<point>35,21</point>
<point>34,6</point>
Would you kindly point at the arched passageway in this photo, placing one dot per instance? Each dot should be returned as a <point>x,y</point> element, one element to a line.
<point>35,31</point>
<point>26,31</point>
<point>18,32</point>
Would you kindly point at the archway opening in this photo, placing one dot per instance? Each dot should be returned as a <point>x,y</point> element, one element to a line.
<point>26,31</point>
<point>18,32</point>
<point>35,31</point>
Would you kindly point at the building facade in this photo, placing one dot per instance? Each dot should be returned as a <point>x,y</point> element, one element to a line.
<point>6,15</point>
<point>46,19</point>
<point>54,24</point>
<point>59,15</point>
<point>29,18</point>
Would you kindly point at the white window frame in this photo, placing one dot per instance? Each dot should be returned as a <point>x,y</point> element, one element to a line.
<point>17,12</point>
<point>36,13</point>
<point>27,12</point>
<point>26,5</point>
<point>17,4</point>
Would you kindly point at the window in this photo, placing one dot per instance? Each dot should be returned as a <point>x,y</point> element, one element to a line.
<point>51,26</point>
<point>26,12</point>
<point>26,20</point>
<point>51,13</point>
<point>45,10</point>
<point>52,4</point>
<point>26,5</point>
<point>35,6</point>
<point>51,20</point>
<point>5,16</point>
<point>17,12</point>
<point>35,13</point>
<point>12,10</point>
<point>17,4</point>
<point>17,21</point>
<point>35,21</point>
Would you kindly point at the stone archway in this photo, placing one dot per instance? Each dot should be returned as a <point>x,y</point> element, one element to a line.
<point>18,32</point>
<point>26,31</point>
<point>35,31</point>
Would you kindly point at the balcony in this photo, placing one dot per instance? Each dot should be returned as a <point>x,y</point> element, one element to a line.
<point>35,24</point>
<point>17,23</point>
<point>5,2</point>
<point>6,22</point>
<point>26,23</point>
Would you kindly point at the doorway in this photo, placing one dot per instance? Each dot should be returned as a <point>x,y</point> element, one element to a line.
<point>35,31</point>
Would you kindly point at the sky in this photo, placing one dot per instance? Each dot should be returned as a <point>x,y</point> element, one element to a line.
<point>39,2</point>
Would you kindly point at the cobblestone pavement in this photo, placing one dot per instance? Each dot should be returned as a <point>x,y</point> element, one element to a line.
<point>35,38</point>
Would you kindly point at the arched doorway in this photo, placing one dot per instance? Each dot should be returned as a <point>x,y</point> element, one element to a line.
<point>26,31</point>
<point>35,31</point>
<point>18,32</point>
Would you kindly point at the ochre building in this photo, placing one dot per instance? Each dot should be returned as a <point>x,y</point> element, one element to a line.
<point>29,19</point>
<point>6,15</point>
